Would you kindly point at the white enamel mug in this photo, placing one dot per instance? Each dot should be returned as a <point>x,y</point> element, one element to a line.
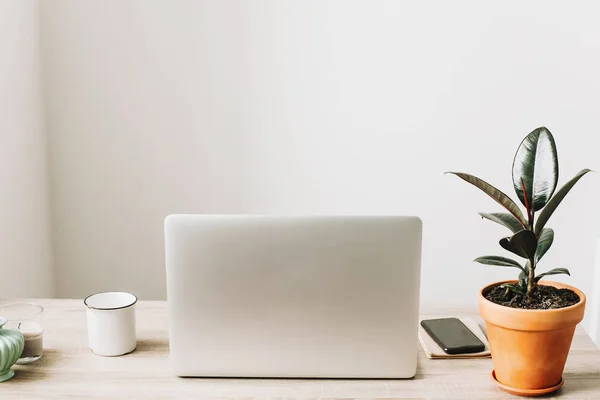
<point>111,323</point>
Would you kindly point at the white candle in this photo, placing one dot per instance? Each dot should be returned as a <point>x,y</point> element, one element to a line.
<point>34,339</point>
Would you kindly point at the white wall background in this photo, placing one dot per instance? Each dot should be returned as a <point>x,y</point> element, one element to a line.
<point>338,107</point>
<point>25,248</point>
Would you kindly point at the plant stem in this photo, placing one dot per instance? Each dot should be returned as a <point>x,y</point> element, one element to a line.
<point>530,280</point>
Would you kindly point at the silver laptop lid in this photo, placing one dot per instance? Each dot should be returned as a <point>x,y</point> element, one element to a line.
<point>284,296</point>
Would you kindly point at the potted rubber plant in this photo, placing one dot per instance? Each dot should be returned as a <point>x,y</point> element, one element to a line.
<point>530,321</point>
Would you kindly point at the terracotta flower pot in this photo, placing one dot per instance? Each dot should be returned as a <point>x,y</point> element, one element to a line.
<point>530,347</point>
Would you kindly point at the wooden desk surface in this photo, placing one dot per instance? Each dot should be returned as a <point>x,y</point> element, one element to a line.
<point>69,370</point>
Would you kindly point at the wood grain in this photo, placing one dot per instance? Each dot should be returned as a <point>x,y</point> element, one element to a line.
<point>68,370</point>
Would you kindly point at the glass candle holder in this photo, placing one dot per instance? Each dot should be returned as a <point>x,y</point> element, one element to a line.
<point>27,319</point>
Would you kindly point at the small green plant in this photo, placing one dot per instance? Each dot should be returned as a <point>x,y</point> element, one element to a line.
<point>535,176</point>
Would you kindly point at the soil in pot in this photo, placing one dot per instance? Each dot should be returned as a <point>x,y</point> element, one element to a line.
<point>542,298</point>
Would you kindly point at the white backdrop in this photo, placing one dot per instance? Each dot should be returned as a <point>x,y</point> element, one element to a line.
<point>25,248</point>
<point>320,107</point>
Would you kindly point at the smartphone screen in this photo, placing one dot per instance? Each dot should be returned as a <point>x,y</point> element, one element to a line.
<point>452,336</point>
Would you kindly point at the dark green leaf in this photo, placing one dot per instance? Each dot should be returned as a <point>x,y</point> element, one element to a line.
<point>504,219</point>
<point>555,271</point>
<point>535,168</point>
<point>523,244</point>
<point>515,288</point>
<point>544,242</point>
<point>495,194</point>
<point>523,278</point>
<point>527,265</point>
<point>555,201</point>
<point>498,261</point>
<point>524,275</point>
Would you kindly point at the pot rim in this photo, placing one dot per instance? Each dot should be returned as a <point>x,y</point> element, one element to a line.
<point>580,303</point>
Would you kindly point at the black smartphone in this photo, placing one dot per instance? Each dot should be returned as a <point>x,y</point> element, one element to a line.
<point>452,336</point>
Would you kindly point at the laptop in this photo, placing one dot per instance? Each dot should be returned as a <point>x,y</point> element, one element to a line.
<point>293,296</point>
